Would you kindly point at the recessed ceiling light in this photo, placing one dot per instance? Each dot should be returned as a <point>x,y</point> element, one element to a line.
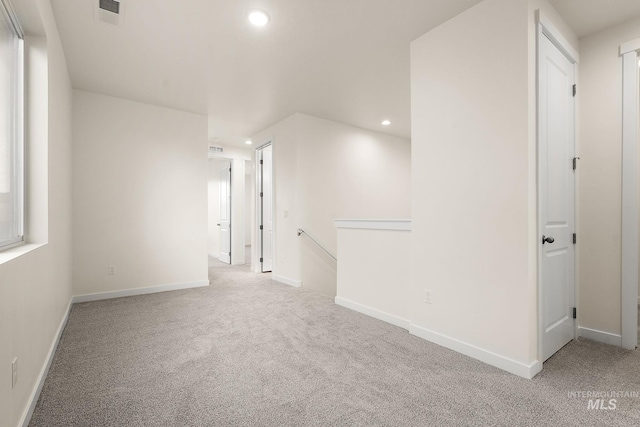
<point>258,17</point>
<point>386,122</point>
<point>248,142</point>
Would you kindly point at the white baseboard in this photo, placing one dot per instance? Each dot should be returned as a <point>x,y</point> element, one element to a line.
<point>517,368</point>
<point>138,291</point>
<point>493,359</point>
<point>213,254</point>
<point>286,280</point>
<point>377,314</point>
<point>35,394</point>
<point>600,336</point>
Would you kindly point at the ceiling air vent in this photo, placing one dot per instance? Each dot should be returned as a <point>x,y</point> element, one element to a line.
<point>110,5</point>
<point>215,149</point>
<point>109,11</point>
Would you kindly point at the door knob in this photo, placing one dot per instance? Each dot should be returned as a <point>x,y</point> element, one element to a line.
<point>547,240</point>
<point>218,225</point>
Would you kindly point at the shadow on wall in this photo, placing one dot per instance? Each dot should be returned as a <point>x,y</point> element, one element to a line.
<point>320,270</point>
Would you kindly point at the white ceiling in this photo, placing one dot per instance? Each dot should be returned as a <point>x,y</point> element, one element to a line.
<point>344,60</point>
<point>590,16</point>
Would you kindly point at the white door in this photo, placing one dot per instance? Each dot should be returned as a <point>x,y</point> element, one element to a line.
<point>225,214</point>
<point>266,208</point>
<point>556,197</point>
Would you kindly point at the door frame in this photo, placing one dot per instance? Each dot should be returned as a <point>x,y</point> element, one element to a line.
<point>237,209</point>
<point>257,248</point>
<point>546,29</point>
<point>629,267</point>
<point>229,209</point>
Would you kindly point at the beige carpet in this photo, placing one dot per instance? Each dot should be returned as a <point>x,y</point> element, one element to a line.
<point>247,351</point>
<point>215,262</point>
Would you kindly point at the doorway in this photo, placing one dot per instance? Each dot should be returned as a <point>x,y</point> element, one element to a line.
<point>264,198</point>
<point>556,195</point>
<point>219,210</point>
<point>248,208</point>
<point>224,226</point>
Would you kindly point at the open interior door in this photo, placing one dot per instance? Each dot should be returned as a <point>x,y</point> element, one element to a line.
<point>225,214</point>
<point>556,163</point>
<point>265,203</point>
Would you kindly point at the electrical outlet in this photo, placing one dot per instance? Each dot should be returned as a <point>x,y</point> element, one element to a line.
<point>427,296</point>
<point>14,372</point>
<point>111,270</point>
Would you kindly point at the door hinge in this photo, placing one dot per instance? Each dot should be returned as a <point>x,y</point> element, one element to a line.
<point>229,169</point>
<point>575,238</point>
<point>261,161</point>
<point>575,90</point>
<point>260,227</point>
<point>575,313</point>
<point>229,253</point>
<point>575,162</point>
<point>261,260</point>
<point>261,194</point>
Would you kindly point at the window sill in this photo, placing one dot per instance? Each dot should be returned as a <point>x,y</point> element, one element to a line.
<point>17,251</point>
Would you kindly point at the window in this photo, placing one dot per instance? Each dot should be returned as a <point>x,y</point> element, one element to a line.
<point>11,128</point>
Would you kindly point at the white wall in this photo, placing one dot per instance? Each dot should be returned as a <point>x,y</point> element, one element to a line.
<point>600,101</point>
<point>470,179</point>
<point>140,195</point>
<point>287,253</point>
<point>324,171</point>
<point>374,271</point>
<point>35,287</point>
<point>474,207</point>
<point>345,172</point>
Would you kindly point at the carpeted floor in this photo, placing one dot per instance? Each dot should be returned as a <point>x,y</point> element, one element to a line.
<point>215,262</point>
<point>247,351</point>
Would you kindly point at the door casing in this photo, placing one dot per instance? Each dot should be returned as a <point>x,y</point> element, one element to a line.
<point>224,254</point>
<point>264,211</point>
<point>546,29</point>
